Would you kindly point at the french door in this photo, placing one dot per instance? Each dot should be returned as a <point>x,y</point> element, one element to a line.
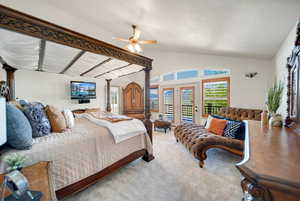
<point>187,97</point>
<point>168,104</point>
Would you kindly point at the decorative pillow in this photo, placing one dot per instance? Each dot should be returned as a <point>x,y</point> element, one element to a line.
<point>208,121</point>
<point>23,103</point>
<point>217,126</point>
<point>19,132</point>
<point>70,121</point>
<point>240,134</point>
<point>231,129</point>
<point>56,118</point>
<point>38,119</point>
<point>16,104</point>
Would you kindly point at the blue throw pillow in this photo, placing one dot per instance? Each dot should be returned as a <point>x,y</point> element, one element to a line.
<point>38,119</point>
<point>231,129</point>
<point>19,132</point>
<point>240,134</point>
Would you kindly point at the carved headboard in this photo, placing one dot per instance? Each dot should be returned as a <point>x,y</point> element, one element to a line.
<point>240,113</point>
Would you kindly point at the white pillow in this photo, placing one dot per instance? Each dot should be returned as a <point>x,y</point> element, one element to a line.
<point>69,118</point>
<point>208,121</point>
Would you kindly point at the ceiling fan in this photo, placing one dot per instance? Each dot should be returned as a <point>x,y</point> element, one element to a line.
<point>134,42</point>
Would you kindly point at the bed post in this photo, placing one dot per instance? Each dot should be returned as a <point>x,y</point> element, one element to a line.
<point>10,77</point>
<point>147,121</point>
<point>108,106</point>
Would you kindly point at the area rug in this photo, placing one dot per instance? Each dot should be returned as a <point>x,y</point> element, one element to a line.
<point>174,175</point>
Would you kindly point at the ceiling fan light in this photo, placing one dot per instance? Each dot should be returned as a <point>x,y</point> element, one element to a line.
<point>137,47</point>
<point>131,48</point>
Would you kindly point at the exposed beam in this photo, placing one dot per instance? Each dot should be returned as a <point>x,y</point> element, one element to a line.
<point>73,61</point>
<point>96,66</point>
<point>112,70</point>
<point>41,55</point>
<point>131,73</point>
<point>24,23</point>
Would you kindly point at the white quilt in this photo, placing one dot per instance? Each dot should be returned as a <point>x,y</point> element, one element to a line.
<point>122,130</point>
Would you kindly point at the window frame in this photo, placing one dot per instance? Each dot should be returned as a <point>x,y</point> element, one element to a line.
<point>227,79</point>
<point>163,101</point>
<point>158,96</point>
<point>193,95</point>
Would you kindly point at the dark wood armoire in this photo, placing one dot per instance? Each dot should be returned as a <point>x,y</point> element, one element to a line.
<point>133,101</point>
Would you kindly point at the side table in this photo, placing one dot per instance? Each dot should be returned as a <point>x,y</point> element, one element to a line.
<point>162,124</point>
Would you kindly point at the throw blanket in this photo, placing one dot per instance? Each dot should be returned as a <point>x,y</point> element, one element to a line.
<point>113,118</point>
<point>121,130</point>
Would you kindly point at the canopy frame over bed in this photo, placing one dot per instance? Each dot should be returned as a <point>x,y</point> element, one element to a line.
<point>19,22</point>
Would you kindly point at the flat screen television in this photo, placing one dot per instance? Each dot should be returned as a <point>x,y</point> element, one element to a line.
<point>83,90</point>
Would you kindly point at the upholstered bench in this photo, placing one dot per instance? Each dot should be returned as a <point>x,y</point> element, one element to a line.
<point>198,140</point>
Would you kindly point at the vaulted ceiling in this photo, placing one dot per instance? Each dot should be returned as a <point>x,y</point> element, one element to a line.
<point>250,28</point>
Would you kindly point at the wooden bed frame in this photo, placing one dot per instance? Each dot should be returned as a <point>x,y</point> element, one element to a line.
<point>13,20</point>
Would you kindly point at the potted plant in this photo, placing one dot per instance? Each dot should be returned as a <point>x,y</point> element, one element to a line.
<point>273,103</point>
<point>15,162</point>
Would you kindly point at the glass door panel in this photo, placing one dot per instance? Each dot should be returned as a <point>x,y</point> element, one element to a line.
<point>168,104</point>
<point>187,104</point>
<point>114,96</point>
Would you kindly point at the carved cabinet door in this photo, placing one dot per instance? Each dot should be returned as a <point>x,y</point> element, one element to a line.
<point>133,97</point>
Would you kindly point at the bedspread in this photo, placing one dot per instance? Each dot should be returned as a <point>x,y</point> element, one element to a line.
<point>79,152</point>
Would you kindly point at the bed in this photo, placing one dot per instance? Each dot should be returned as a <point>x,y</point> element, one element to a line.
<point>87,145</point>
<point>80,152</point>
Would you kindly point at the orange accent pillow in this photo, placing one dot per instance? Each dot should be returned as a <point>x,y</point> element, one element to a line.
<point>217,126</point>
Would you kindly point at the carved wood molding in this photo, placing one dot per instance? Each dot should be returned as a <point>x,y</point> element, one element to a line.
<point>20,22</point>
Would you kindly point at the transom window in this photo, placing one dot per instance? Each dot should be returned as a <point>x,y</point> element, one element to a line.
<point>215,95</point>
<point>209,72</point>
<point>168,77</point>
<point>187,74</point>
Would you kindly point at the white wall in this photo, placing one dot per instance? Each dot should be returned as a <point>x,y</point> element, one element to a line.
<point>2,74</point>
<point>280,61</point>
<point>244,92</point>
<point>54,89</point>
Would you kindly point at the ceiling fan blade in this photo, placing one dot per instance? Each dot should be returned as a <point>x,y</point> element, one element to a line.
<point>122,39</point>
<point>147,42</point>
<point>136,34</point>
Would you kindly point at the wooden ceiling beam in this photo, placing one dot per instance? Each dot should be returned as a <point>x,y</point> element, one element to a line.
<point>112,70</point>
<point>96,66</point>
<point>42,51</point>
<point>72,61</point>
<point>23,23</point>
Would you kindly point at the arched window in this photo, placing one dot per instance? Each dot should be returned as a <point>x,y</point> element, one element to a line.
<point>168,77</point>
<point>210,72</point>
<point>187,74</point>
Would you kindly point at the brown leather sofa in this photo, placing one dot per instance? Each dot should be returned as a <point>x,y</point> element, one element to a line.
<point>198,140</point>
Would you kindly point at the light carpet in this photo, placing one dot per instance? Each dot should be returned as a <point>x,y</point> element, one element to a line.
<point>174,175</point>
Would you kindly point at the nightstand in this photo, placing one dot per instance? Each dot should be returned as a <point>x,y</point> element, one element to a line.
<point>39,178</point>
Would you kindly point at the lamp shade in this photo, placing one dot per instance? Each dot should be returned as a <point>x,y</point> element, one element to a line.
<point>2,121</point>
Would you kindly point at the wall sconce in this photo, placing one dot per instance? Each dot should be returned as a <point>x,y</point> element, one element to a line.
<point>251,75</point>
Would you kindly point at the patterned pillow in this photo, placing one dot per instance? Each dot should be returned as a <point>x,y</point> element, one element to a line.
<point>231,129</point>
<point>38,119</point>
